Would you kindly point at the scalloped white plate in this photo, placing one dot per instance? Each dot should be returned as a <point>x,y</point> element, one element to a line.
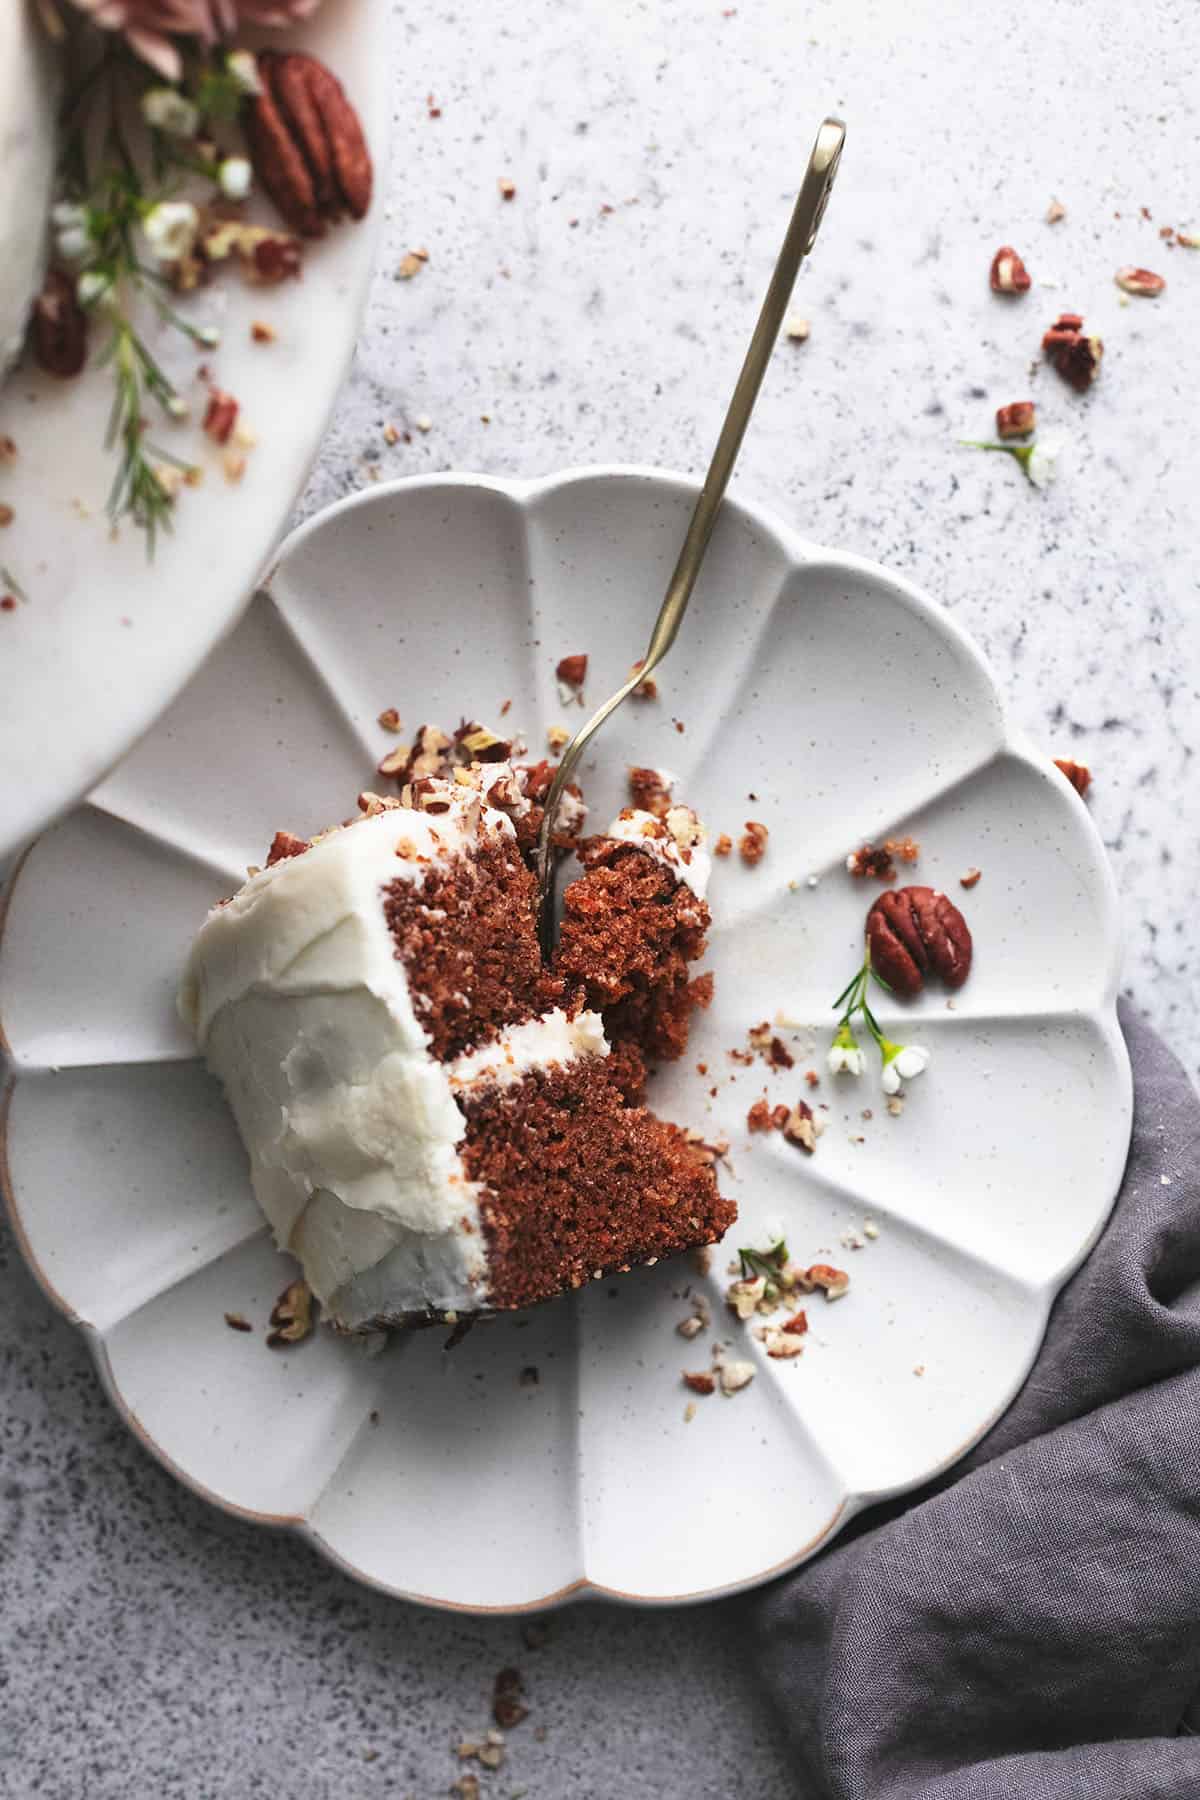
<point>109,637</point>
<point>849,707</point>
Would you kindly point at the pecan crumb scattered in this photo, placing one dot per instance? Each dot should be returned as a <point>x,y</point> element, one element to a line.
<point>1017,419</point>
<point>650,791</point>
<point>832,1282</point>
<point>802,1127</point>
<point>292,1316</point>
<point>572,670</point>
<point>867,862</point>
<point>1076,356</point>
<point>238,1322</point>
<point>410,264</point>
<point>1055,211</point>
<point>647,689</point>
<point>971,879</point>
<point>508,188</point>
<point>1140,281</point>
<point>262,333</point>
<point>1078,774</point>
<point>723,845</point>
<point>759,1116</point>
<point>285,844</point>
<point>557,739</point>
<point>389,719</point>
<point>220,415</point>
<point>7,515</point>
<point>8,449</point>
<point>1008,273</point>
<point>507,1706</point>
<point>796,329</point>
<point>735,1375</point>
<point>700,1381</point>
<point>752,845</point>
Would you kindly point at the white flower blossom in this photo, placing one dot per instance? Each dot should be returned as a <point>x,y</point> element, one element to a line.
<point>170,229</point>
<point>244,70</point>
<point>72,232</point>
<point>234,176</point>
<point>845,1057</point>
<point>94,290</point>
<point>1041,464</point>
<point>166,109</point>
<point>901,1062</point>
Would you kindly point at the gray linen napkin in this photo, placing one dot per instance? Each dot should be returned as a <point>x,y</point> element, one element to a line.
<point>1029,1628</point>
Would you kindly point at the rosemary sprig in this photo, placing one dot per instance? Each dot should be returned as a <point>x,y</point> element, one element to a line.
<point>110,195</point>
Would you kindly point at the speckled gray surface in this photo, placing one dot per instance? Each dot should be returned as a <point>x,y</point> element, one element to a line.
<point>153,1646</point>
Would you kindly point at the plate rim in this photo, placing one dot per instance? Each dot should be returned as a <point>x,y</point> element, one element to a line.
<point>799,551</point>
<point>19,833</point>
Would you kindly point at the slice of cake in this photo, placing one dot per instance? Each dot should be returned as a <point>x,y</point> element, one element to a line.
<point>437,1123</point>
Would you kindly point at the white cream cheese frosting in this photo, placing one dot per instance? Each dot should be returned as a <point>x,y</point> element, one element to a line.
<point>29,93</point>
<point>678,841</point>
<point>304,1012</point>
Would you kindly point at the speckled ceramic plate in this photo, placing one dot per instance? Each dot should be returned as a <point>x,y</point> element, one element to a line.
<point>810,690</point>
<point>108,637</point>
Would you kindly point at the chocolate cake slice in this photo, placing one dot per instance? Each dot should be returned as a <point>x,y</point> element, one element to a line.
<point>437,1123</point>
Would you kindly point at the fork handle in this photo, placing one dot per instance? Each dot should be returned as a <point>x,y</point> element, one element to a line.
<point>801,234</point>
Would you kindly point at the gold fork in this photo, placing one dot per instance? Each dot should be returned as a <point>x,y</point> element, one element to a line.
<point>798,241</point>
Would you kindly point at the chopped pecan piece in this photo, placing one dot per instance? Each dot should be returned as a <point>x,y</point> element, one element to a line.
<point>1016,420</point>
<point>1076,357</point>
<point>1140,281</point>
<point>649,792</point>
<point>832,1282</point>
<point>220,415</point>
<point>801,1128</point>
<point>1078,774</point>
<point>1009,274</point>
<point>285,844</point>
<point>572,670</point>
<point>700,1382</point>
<point>292,1316</point>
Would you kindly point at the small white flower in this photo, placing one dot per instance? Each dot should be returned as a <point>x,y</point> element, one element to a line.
<point>901,1062</point>
<point>845,1057</point>
<point>72,233</point>
<point>166,109</point>
<point>73,243</point>
<point>244,70</point>
<point>177,406</point>
<point>209,336</point>
<point>1041,463</point>
<point>234,177</point>
<point>170,229</point>
<point>95,290</point>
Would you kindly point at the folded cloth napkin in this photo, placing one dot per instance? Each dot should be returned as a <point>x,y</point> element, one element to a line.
<point>1029,1628</point>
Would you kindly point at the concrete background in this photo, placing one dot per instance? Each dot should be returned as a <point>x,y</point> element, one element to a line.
<point>151,1646</point>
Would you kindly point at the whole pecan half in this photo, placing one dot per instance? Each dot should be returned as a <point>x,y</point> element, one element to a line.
<point>916,931</point>
<point>59,326</point>
<point>307,143</point>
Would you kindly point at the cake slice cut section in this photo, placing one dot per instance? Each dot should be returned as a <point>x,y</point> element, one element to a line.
<point>434,1123</point>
